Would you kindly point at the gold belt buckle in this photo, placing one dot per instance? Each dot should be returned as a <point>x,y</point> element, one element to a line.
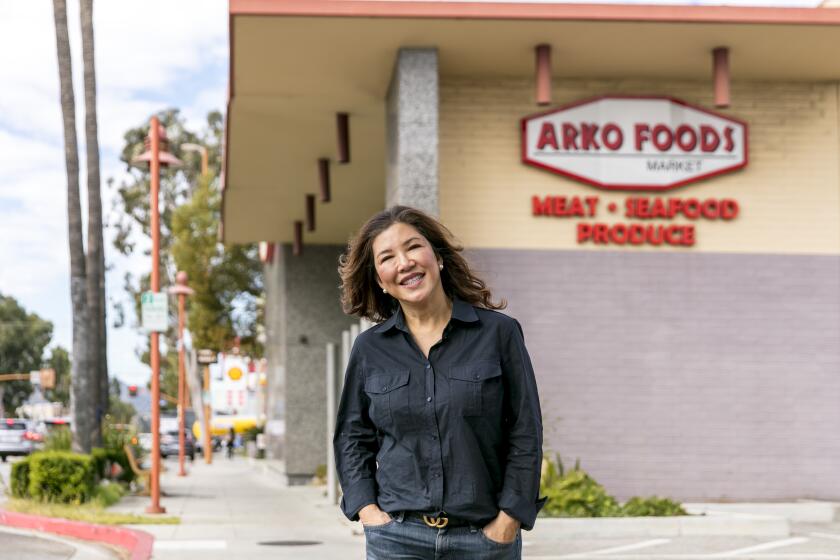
<point>439,522</point>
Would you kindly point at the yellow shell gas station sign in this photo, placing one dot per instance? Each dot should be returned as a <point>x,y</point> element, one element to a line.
<point>235,373</point>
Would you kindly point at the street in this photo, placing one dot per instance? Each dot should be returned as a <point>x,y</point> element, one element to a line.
<point>820,542</point>
<point>29,545</point>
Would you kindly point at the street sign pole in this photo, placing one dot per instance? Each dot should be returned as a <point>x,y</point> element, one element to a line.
<point>182,291</point>
<point>208,440</point>
<point>154,342</point>
<point>152,155</point>
<point>205,358</point>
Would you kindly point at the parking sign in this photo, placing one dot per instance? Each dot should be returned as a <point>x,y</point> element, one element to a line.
<point>154,311</point>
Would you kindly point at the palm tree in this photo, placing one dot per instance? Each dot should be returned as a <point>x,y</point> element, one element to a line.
<point>81,403</point>
<point>95,249</point>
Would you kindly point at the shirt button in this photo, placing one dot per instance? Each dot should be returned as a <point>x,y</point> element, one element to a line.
<point>477,376</point>
<point>428,399</point>
<point>385,388</point>
<point>428,366</point>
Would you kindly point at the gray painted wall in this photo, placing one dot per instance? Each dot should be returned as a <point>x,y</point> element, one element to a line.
<point>307,316</point>
<point>696,376</point>
<point>412,131</point>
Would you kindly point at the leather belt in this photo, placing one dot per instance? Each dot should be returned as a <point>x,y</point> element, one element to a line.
<point>438,522</point>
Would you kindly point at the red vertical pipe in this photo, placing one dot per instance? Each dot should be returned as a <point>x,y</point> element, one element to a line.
<point>543,53</point>
<point>720,72</point>
<point>343,128</point>
<point>310,212</point>
<point>297,247</point>
<point>154,343</point>
<point>324,177</point>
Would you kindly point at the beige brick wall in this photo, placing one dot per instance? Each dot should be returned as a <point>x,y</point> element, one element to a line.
<point>789,194</point>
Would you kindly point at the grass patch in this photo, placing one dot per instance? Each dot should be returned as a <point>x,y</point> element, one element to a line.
<point>92,512</point>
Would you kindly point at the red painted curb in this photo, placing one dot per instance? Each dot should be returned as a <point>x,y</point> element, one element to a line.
<point>137,543</point>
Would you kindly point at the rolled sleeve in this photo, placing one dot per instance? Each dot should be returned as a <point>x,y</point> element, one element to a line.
<point>355,443</point>
<point>520,492</point>
<point>356,497</point>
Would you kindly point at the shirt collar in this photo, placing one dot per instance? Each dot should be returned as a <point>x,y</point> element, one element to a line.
<point>461,311</point>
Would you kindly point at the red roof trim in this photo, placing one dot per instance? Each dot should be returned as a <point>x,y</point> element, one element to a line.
<point>511,11</point>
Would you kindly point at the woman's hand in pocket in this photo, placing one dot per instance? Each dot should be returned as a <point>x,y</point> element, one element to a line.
<point>371,516</point>
<point>502,529</point>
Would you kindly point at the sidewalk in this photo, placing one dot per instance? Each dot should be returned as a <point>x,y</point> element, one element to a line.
<point>228,508</point>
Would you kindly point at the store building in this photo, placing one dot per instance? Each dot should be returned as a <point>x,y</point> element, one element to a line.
<point>655,190</point>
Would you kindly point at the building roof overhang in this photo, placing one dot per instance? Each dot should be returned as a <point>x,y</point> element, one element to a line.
<point>296,63</point>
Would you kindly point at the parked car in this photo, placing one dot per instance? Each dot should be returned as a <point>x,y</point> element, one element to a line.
<point>17,437</point>
<point>169,444</point>
<point>145,441</point>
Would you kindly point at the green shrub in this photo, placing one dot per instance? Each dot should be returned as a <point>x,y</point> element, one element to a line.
<point>115,436</point>
<point>114,439</point>
<point>100,462</point>
<point>576,494</point>
<point>59,439</point>
<point>20,478</point>
<point>108,494</point>
<point>663,507</point>
<point>61,476</point>
<point>104,458</point>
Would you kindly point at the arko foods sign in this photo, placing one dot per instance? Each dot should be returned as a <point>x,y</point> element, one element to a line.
<point>634,143</point>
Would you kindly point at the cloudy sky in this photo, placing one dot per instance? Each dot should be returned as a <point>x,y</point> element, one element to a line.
<point>149,56</point>
<point>170,53</point>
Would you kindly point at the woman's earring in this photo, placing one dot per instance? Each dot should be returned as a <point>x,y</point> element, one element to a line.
<point>440,266</point>
<point>384,291</point>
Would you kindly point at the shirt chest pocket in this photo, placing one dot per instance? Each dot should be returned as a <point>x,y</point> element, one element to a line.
<point>388,392</point>
<point>477,387</point>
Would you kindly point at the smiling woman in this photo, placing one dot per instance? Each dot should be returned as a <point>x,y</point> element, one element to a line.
<point>439,430</point>
<point>388,240</point>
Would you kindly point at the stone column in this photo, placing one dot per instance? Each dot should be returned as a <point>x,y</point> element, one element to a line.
<point>412,131</point>
<point>312,318</point>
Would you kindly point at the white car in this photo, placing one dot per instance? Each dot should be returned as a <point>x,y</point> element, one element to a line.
<point>16,437</point>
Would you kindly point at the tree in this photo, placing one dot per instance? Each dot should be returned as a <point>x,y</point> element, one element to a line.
<point>227,279</point>
<point>83,396</point>
<point>23,337</point>
<point>95,250</point>
<point>222,277</point>
<point>120,412</point>
<point>59,361</point>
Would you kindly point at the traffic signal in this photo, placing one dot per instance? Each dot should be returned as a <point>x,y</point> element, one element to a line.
<point>132,390</point>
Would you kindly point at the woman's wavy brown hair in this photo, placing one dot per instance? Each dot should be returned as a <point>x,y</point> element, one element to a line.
<point>360,293</point>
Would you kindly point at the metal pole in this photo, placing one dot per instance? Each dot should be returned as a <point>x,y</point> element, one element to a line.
<point>354,332</point>
<point>345,350</point>
<point>332,480</point>
<point>208,440</point>
<point>182,387</point>
<point>204,165</point>
<point>154,343</point>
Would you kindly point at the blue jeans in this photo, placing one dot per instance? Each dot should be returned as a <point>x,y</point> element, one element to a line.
<point>409,538</point>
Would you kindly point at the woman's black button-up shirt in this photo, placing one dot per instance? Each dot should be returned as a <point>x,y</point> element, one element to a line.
<point>459,432</point>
